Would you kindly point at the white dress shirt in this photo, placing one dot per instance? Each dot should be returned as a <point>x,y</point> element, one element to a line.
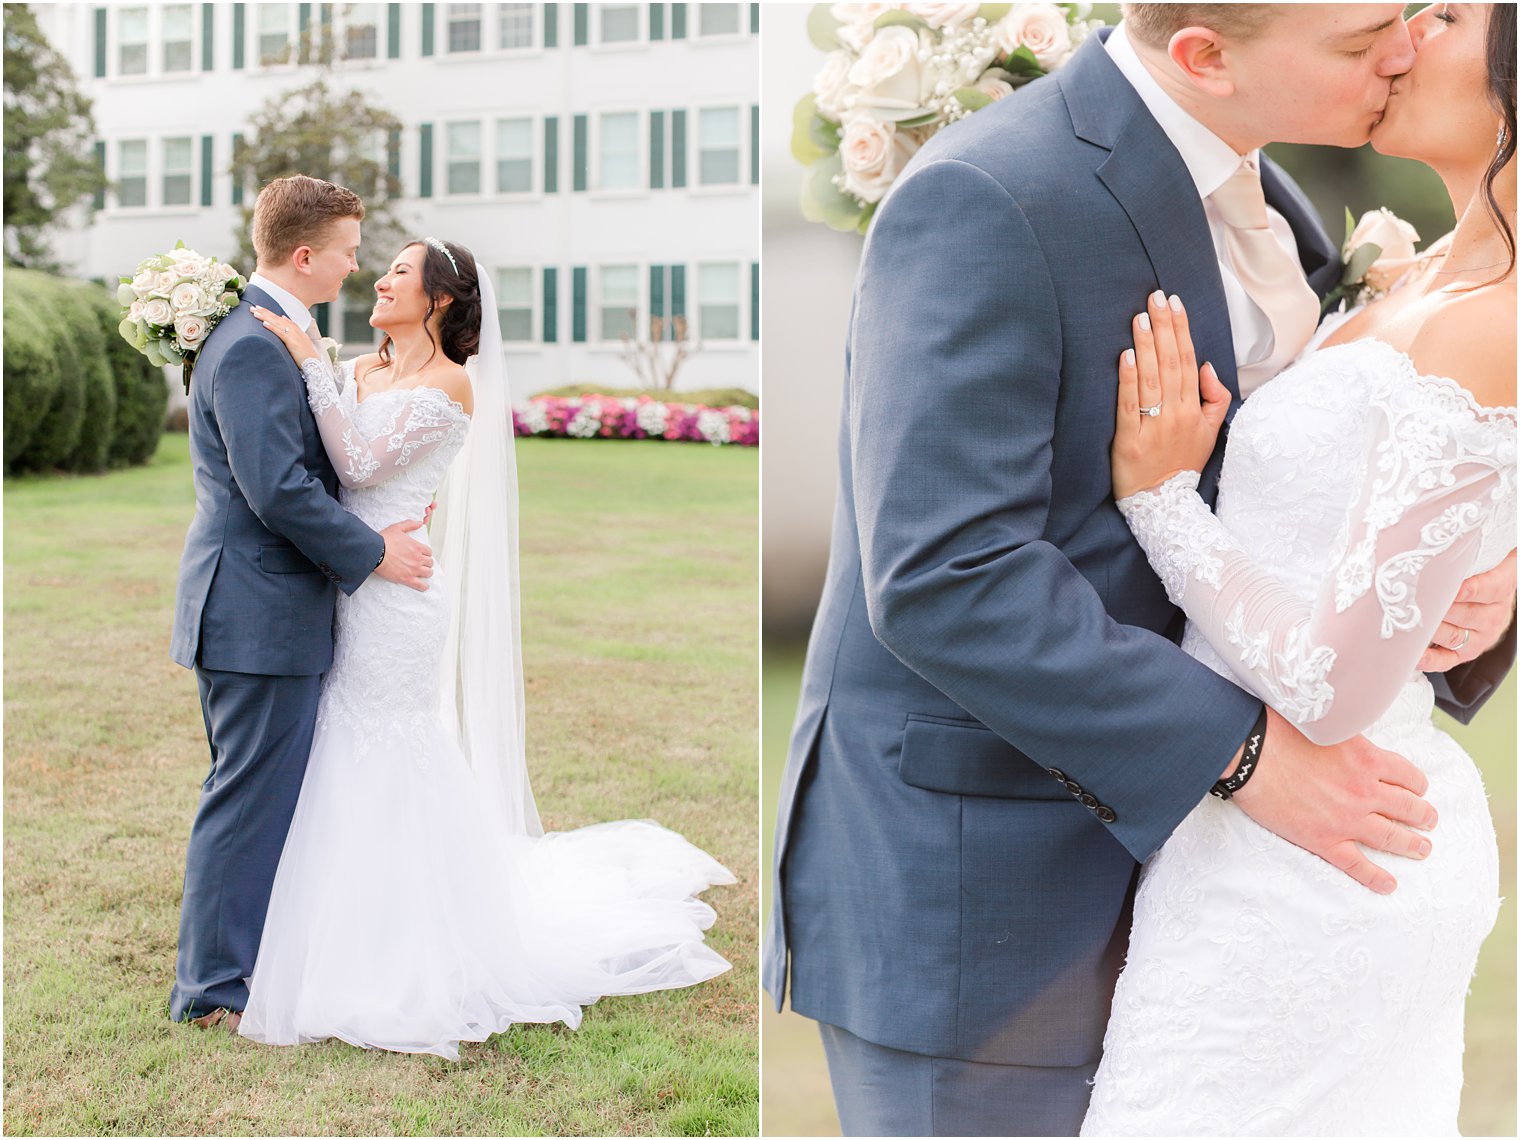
<point>293,308</point>
<point>1210,161</point>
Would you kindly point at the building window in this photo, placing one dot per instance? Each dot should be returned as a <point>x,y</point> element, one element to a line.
<point>619,23</point>
<point>618,166</point>
<point>357,307</point>
<point>514,304</point>
<point>179,37</point>
<point>515,25</point>
<point>132,172</point>
<point>718,146</point>
<point>464,27</point>
<point>718,300</point>
<point>718,19</point>
<point>179,171</point>
<point>463,156</point>
<point>514,156</point>
<point>274,33</point>
<point>132,41</point>
<point>618,303</point>
<point>361,31</point>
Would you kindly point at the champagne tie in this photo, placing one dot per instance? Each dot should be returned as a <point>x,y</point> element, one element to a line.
<point>1271,277</point>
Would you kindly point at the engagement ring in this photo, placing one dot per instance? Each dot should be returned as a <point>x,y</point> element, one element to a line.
<point>1153,410</point>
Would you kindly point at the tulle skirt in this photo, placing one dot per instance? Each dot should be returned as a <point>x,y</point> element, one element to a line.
<point>403,918</point>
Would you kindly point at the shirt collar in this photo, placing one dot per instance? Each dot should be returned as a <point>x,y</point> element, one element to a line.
<point>293,308</point>
<point>1210,161</point>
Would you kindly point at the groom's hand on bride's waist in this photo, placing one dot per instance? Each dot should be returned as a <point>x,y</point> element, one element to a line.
<point>406,561</point>
<point>1331,799</point>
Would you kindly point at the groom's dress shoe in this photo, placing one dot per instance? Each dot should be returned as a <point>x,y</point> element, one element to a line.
<point>227,1019</point>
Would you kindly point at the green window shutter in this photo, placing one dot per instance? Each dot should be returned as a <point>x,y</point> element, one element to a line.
<point>425,165</point>
<point>208,37</point>
<point>100,43</point>
<point>677,149</point>
<point>678,292</point>
<point>578,164</point>
<point>393,31</point>
<point>551,305</point>
<point>582,25</point>
<point>551,154</point>
<point>656,22</point>
<point>239,32</point>
<point>657,295</point>
<point>427,28</point>
<point>656,150</point>
<point>320,313</point>
<point>206,169</point>
<point>237,178</point>
<point>551,25</point>
<point>578,304</point>
<point>303,32</point>
<point>393,153</point>
<point>754,144</point>
<point>678,21</point>
<point>100,162</point>
<point>754,19</point>
<point>754,300</point>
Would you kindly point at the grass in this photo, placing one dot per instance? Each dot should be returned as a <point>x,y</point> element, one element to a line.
<point>797,1100</point>
<point>639,594</point>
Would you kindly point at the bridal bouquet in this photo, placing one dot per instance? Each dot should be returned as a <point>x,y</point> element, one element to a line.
<point>172,303</point>
<point>897,73</point>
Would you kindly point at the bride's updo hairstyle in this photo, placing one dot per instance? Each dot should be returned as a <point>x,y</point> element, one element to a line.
<point>447,274</point>
<point>1500,50</point>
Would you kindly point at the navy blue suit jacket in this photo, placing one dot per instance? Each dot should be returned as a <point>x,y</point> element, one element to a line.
<point>996,724</point>
<point>269,540</point>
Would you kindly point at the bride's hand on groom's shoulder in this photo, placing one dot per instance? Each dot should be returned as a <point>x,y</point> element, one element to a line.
<point>296,340</point>
<point>1481,615</point>
<point>1169,410</point>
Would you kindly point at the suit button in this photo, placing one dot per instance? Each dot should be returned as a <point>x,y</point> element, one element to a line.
<point>1073,787</point>
<point>1088,800</point>
<point>1106,814</point>
<point>1057,773</point>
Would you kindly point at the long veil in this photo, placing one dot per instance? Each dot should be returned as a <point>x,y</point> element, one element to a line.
<point>474,535</point>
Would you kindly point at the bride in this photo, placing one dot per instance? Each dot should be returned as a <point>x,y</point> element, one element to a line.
<point>417,903</point>
<point>1265,993</point>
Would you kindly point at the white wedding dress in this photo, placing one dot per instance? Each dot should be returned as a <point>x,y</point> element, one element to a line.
<point>1265,993</point>
<point>405,915</point>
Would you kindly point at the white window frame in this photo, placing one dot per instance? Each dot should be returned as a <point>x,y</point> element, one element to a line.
<point>699,334</point>
<point>535,29</point>
<point>340,29</point>
<point>292,37</point>
<point>640,137</point>
<point>117,43</point>
<point>741,29</point>
<point>534,156</point>
<point>189,172</point>
<point>535,305</point>
<point>597,302</point>
<point>449,159</point>
<point>482,19</point>
<point>640,39</point>
<point>694,158</point>
<point>162,13</point>
<point>115,156</point>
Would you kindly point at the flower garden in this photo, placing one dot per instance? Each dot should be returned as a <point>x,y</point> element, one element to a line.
<point>641,417</point>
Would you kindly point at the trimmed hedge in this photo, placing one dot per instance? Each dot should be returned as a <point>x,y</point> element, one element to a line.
<point>77,396</point>
<point>708,397</point>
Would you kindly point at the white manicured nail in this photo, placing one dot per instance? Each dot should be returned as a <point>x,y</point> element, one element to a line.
<point>1175,302</point>
<point>1145,321</point>
<point>1129,357</point>
<point>1158,298</point>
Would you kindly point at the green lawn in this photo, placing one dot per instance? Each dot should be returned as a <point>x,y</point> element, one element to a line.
<point>639,593</point>
<point>797,1099</point>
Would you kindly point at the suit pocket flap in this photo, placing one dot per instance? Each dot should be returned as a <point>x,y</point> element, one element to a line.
<point>969,760</point>
<point>284,560</point>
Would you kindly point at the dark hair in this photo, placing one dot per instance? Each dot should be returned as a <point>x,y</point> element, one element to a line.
<point>459,329</point>
<point>1500,50</point>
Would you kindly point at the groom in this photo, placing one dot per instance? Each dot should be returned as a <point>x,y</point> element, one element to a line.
<point>253,610</point>
<point>996,726</point>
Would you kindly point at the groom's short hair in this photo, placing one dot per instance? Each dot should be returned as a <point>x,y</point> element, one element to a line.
<point>1156,24</point>
<point>298,210</point>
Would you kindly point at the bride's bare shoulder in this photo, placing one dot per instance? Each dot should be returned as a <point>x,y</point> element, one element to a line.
<point>364,365</point>
<point>454,381</point>
<point>1471,339</point>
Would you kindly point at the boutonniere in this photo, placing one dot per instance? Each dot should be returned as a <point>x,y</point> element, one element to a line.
<point>1378,250</point>
<point>329,346</point>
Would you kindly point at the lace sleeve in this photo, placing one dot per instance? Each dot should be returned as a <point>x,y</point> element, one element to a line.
<point>1333,661</point>
<point>424,421</point>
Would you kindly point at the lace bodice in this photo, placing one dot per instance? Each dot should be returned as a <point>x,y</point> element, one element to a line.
<point>1356,496</point>
<point>390,450</point>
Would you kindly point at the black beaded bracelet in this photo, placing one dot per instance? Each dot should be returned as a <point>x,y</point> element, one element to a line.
<point>1249,757</point>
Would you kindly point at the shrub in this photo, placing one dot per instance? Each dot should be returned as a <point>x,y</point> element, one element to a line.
<point>708,397</point>
<point>141,392</point>
<point>57,432</point>
<point>70,304</point>
<point>31,368</point>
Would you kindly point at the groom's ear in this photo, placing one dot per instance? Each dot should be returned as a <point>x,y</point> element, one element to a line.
<point>300,257</point>
<point>1203,57</point>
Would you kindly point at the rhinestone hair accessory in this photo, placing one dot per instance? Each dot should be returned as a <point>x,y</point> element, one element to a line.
<point>443,249</point>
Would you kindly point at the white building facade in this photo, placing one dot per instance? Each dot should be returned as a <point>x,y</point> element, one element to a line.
<point>596,158</point>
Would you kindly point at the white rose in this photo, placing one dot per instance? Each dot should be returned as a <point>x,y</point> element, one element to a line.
<point>1039,27</point>
<point>857,23</point>
<point>190,330</point>
<point>188,265</point>
<point>944,15</point>
<point>187,297</point>
<point>143,283</point>
<point>832,83</point>
<point>874,154</point>
<point>994,86</point>
<point>163,283</point>
<point>1394,236</point>
<point>135,311</point>
<point>892,83</point>
<point>157,312</point>
<point>225,273</point>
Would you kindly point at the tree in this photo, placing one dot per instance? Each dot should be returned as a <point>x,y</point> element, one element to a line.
<point>50,166</point>
<point>329,134</point>
<point>657,360</point>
